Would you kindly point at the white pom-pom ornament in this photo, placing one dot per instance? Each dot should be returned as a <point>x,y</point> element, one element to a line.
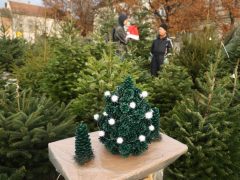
<point>151,128</point>
<point>111,121</point>
<point>142,138</point>
<point>96,117</point>
<point>132,105</point>
<point>149,115</point>
<point>107,93</point>
<point>233,76</point>
<point>119,140</point>
<point>101,133</point>
<point>114,98</point>
<point>105,114</point>
<point>144,94</point>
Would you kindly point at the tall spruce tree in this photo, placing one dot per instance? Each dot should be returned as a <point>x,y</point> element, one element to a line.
<point>197,52</point>
<point>232,53</point>
<point>30,75</point>
<point>106,21</point>
<point>13,52</point>
<point>172,85</point>
<point>69,58</point>
<point>128,123</point>
<point>207,123</point>
<point>233,43</point>
<point>2,79</point>
<point>139,51</point>
<point>98,75</point>
<point>27,124</point>
<point>83,148</point>
<point>234,117</point>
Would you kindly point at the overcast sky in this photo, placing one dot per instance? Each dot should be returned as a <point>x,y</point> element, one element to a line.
<point>35,2</point>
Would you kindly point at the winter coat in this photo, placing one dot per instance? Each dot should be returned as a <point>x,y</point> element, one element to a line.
<point>120,35</point>
<point>160,48</point>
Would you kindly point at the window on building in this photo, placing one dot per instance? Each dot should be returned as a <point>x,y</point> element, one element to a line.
<point>19,27</point>
<point>30,25</point>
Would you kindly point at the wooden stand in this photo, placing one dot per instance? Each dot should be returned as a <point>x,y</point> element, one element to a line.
<point>106,166</point>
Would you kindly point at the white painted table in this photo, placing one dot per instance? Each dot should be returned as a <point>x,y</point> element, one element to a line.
<point>106,166</point>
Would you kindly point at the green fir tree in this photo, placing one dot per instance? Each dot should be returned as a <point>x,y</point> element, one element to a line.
<point>30,75</point>
<point>139,51</point>
<point>83,148</point>
<point>234,117</point>
<point>128,123</point>
<point>233,44</point>
<point>198,52</point>
<point>207,123</point>
<point>2,79</point>
<point>172,85</point>
<point>13,52</point>
<point>69,57</point>
<point>98,75</point>
<point>106,21</point>
<point>232,53</point>
<point>27,124</point>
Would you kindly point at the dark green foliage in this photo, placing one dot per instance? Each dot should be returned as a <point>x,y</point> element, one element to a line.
<point>205,116</point>
<point>234,142</point>
<point>17,175</point>
<point>27,125</point>
<point>236,85</point>
<point>208,155</point>
<point>61,73</point>
<point>198,51</point>
<point>126,123</point>
<point>2,80</point>
<point>97,76</point>
<point>207,124</point>
<point>140,50</point>
<point>233,50</point>
<point>232,45</point>
<point>106,23</point>
<point>142,47</point>
<point>172,85</point>
<point>98,45</point>
<point>31,74</point>
<point>234,116</point>
<point>83,148</point>
<point>13,52</point>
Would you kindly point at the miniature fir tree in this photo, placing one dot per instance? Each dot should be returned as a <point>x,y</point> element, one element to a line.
<point>128,123</point>
<point>83,148</point>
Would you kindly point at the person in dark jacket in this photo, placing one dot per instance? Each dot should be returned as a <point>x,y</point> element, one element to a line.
<point>120,34</point>
<point>161,46</point>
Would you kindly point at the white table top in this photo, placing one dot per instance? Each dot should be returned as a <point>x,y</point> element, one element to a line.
<point>106,166</point>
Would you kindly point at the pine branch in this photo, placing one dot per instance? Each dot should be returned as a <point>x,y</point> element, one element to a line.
<point>235,81</point>
<point>213,71</point>
<point>236,78</point>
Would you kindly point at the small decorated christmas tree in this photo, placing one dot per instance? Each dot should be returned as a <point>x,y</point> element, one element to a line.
<point>128,123</point>
<point>83,148</point>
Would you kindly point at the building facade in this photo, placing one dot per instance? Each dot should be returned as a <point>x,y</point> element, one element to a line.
<point>28,21</point>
